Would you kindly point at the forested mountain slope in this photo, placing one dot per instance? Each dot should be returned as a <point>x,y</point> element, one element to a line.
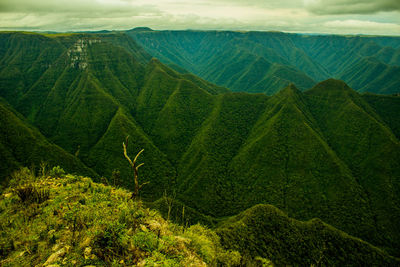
<point>269,61</point>
<point>23,145</point>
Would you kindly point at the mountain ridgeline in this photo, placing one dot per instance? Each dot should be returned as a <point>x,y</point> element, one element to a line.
<point>327,152</point>
<point>268,61</point>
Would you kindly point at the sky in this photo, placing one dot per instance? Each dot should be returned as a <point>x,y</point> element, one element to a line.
<point>374,17</point>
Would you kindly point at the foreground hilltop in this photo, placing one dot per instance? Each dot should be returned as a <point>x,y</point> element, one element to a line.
<point>70,220</point>
<point>59,219</point>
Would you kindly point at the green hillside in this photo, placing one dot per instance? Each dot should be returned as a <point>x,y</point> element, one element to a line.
<point>388,107</point>
<point>363,141</point>
<point>328,152</point>
<point>372,75</point>
<point>269,61</point>
<point>266,231</point>
<point>89,96</point>
<point>23,145</point>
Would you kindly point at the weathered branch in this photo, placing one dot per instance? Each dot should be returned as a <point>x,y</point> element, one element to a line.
<point>140,165</point>
<point>134,167</point>
<point>140,187</point>
<point>138,154</point>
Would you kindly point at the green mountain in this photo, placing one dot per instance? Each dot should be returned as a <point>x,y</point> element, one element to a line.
<point>280,151</point>
<point>372,75</point>
<point>23,145</point>
<point>387,107</point>
<point>269,61</point>
<point>86,95</point>
<point>266,231</point>
<point>328,152</point>
<point>364,142</point>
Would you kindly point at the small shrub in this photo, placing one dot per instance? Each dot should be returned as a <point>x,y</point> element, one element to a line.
<point>116,178</point>
<point>146,241</point>
<point>229,258</point>
<point>22,176</point>
<point>110,242</point>
<point>43,171</point>
<point>57,171</point>
<point>202,242</point>
<point>29,193</point>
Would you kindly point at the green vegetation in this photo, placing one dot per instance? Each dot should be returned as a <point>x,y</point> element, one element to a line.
<point>23,145</point>
<point>328,152</point>
<point>266,231</point>
<point>388,108</point>
<point>71,220</point>
<point>269,61</point>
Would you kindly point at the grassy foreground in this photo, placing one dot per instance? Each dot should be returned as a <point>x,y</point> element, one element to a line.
<point>67,220</point>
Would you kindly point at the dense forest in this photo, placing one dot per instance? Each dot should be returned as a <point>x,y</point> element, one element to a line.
<point>267,61</point>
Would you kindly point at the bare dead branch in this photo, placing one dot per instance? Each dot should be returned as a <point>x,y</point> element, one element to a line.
<point>140,187</point>
<point>138,154</point>
<point>140,165</point>
<point>134,167</point>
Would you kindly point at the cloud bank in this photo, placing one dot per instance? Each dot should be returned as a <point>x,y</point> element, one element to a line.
<point>353,6</point>
<point>311,16</point>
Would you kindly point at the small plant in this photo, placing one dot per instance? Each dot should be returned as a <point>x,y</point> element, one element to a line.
<point>110,242</point>
<point>146,241</point>
<point>22,176</point>
<point>43,168</point>
<point>116,177</point>
<point>169,201</point>
<point>57,171</point>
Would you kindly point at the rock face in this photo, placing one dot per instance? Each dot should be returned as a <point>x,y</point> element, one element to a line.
<point>78,53</point>
<point>56,256</point>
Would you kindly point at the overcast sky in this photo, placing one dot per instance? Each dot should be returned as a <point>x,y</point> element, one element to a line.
<point>309,16</point>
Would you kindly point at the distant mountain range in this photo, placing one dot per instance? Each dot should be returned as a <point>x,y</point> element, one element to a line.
<point>327,152</point>
<point>268,61</point>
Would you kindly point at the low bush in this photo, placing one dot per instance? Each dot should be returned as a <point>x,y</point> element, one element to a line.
<point>57,172</point>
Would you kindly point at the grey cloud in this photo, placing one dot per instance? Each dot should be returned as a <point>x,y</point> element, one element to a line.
<point>263,3</point>
<point>74,6</point>
<point>338,7</point>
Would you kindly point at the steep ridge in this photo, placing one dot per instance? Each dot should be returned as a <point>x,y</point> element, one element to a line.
<point>290,165</point>
<point>284,154</point>
<point>204,179</point>
<point>363,141</point>
<point>265,231</point>
<point>22,145</point>
<point>228,58</point>
<point>93,94</point>
<point>25,57</point>
<point>388,108</point>
<point>384,77</point>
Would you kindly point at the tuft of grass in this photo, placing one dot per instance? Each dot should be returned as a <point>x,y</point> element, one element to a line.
<point>30,193</point>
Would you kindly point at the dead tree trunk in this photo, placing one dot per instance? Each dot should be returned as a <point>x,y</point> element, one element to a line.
<point>135,169</point>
